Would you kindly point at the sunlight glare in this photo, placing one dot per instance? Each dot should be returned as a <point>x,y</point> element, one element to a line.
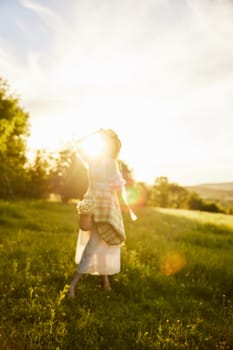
<point>93,146</point>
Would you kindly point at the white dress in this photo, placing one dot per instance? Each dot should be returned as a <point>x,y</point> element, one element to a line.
<point>93,255</point>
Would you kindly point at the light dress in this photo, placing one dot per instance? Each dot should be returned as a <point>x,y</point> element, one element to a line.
<point>93,255</point>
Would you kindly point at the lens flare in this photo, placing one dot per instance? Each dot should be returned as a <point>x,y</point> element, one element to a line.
<point>136,195</point>
<point>172,263</point>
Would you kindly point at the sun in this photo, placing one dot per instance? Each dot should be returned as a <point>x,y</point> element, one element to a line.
<point>93,146</point>
<point>146,154</point>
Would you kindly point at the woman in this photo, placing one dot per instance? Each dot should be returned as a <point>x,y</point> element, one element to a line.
<point>98,250</point>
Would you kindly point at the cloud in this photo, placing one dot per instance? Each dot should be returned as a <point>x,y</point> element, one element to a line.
<point>179,52</point>
<point>155,61</point>
<point>45,12</point>
<point>131,48</point>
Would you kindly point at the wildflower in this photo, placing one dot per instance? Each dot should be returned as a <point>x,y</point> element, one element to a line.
<point>86,206</point>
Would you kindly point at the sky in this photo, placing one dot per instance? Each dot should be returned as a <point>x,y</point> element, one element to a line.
<point>158,72</point>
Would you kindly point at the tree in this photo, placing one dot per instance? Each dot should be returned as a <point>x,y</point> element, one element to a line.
<point>14,130</point>
<point>69,176</point>
<point>197,203</point>
<point>171,195</point>
<point>160,192</point>
<point>38,176</point>
<point>168,195</point>
<point>178,196</point>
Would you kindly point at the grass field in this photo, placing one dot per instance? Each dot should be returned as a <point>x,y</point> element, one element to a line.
<point>175,290</point>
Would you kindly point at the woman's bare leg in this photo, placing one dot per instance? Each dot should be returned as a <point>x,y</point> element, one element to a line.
<point>106,283</point>
<point>73,284</point>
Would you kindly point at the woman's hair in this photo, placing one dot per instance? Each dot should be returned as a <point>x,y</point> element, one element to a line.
<point>112,142</point>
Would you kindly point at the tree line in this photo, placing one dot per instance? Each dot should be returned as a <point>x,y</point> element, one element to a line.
<point>171,195</point>
<point>63,173</point>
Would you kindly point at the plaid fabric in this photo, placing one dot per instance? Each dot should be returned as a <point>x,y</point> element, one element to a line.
<point>108,217</point>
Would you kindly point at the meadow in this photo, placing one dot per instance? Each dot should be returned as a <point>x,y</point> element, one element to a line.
<point>175,290</point>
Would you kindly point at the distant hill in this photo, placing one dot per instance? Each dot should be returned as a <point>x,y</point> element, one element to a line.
<point>221,192</point>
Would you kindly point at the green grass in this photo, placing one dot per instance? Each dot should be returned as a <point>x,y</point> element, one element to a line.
<point>175,290</point>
